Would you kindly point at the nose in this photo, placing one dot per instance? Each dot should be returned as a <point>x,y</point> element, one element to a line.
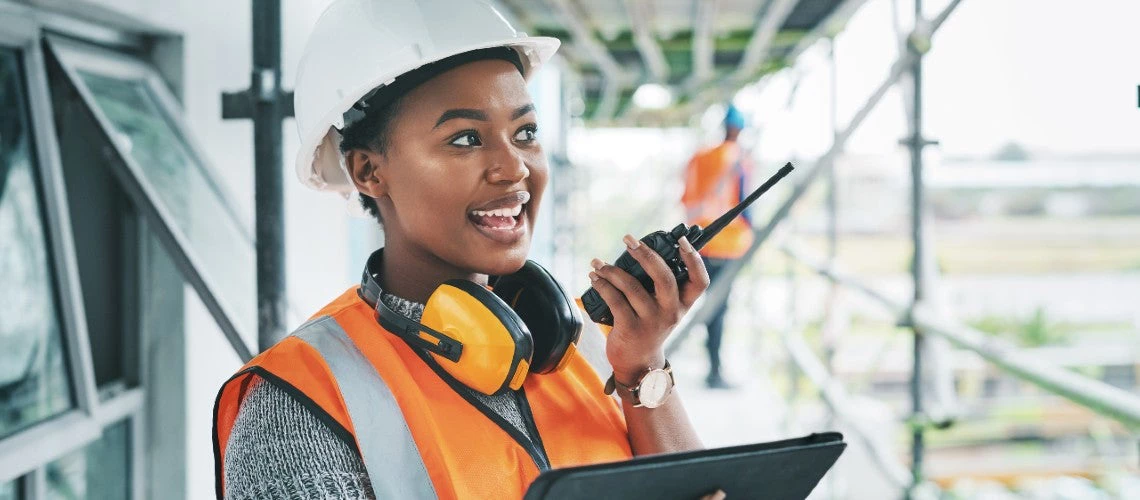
<point>507,166</point>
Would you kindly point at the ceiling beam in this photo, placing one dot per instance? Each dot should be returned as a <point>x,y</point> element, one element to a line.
<point>704,46</point>
<point>767,25</point>
<point>641,20</point>
<point>615,75</point>
<point>725,88</point>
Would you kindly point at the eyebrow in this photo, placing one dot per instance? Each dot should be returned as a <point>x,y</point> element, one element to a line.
<point>475,114</point>
<point>522,111</point>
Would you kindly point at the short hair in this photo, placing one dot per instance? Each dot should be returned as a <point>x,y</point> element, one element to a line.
<point>373,133</point>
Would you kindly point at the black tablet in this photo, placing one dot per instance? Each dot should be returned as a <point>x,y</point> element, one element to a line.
<point>780,470</point>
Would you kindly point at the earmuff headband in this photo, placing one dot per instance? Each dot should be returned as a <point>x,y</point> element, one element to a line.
<point>414,333</point>
<point>396,323</point>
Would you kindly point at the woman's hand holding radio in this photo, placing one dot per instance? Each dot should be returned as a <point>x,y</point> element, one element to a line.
<point>643,320</point>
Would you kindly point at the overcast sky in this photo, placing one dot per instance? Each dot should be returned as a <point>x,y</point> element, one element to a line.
<point>1054,75</point>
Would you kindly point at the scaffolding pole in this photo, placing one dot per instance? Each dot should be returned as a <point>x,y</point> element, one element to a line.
<point>268,105</point>
<point>827,332</point>
<point>916,46</point>
<point>718,292</point>
<point>1112,402</point>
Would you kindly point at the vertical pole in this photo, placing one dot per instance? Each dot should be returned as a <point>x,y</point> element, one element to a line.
<point>793,371</point>
<point>916,144</point>
<point>829,337</point>
<point>268,113</point>
<point>832,195</point>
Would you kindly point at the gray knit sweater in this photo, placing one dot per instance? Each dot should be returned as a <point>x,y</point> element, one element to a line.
<point>279,449</point>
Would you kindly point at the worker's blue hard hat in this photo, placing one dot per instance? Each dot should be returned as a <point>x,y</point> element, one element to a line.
<point>733,118</point>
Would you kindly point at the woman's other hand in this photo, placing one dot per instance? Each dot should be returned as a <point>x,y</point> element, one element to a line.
<point>642,321</point>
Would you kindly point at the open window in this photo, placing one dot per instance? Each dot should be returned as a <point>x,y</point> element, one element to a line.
<point>165,178</point>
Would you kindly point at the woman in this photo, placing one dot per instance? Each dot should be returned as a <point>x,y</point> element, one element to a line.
<point>421,107</point>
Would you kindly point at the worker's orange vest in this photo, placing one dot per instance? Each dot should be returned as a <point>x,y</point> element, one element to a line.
<point>713,182</point>
<point>439,444</point>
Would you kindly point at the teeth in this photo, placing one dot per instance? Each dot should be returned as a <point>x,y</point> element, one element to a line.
<point>500,212</point>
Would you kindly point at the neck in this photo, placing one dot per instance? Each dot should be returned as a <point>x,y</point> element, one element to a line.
<point>413,274</point>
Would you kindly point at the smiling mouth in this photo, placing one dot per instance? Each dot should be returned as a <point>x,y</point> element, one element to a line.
<point>500,219</point>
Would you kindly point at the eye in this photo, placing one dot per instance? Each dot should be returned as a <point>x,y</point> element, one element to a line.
<point>527,134</point>
<point>466,139</point>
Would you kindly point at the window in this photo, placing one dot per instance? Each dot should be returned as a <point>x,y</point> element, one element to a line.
<point>10,491</point>
<point>142,130</point>
<point>34,383</point>
<point>102,470</point>
<point>105,225</point>
<point>164,178</point>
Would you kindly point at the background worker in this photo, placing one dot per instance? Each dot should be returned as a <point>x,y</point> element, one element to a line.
<point>422,382</point>
<point>716,179</point>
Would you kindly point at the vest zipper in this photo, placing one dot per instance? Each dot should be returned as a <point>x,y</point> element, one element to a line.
<point>533,447</point>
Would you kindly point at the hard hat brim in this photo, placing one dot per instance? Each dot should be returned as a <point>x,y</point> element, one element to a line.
<point>319,164</point>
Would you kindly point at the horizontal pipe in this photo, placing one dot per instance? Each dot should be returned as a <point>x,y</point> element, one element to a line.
<point>1112,402</point>
<point>836,398</point>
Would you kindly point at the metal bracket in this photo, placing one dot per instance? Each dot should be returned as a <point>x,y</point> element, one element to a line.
<point>910,142</point>
<point>239,105</point>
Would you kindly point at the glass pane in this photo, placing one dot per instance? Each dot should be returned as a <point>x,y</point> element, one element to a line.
<point>101,470</point>
<point>9,491</point>
<point>183,188</point>
<point>33,377</point>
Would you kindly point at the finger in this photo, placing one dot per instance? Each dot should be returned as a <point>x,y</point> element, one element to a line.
<point>619,306</point>
<point>698,275</point>
<point>664,283</point>
<point>716,495</point>
<point>638,297</point>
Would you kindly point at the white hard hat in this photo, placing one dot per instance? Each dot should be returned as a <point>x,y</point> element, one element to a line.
<point>358,45</point>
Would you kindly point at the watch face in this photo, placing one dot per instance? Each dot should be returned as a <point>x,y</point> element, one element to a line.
<point>654,388</point>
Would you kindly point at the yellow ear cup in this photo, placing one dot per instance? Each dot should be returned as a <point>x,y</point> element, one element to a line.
<point>492,356</point>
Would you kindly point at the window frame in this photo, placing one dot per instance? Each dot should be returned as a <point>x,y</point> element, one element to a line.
<point>32,447</point>
<point>74,56</point>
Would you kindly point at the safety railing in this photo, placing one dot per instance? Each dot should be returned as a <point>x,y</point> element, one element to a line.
<point>1112,402</point>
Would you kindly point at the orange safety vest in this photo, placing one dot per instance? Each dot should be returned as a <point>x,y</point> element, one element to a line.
<point>714,183</point>
<point>417,436</point>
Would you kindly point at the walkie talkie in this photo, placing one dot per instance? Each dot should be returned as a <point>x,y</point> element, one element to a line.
<point>666,245</point>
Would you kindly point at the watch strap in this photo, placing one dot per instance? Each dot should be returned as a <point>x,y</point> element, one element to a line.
<point>630,393</point>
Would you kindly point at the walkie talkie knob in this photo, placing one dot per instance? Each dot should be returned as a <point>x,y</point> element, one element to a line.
<point>678,231</point>
<point>695,233</point>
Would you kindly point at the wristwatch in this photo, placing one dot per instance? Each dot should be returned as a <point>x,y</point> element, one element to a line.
<point>650,392</point>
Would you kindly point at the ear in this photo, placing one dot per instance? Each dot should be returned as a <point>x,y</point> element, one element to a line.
<point>364,167</point>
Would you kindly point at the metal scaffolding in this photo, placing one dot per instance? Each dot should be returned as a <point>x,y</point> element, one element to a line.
<point>922,318</point>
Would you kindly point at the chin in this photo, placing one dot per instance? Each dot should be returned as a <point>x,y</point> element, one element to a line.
<point>504,263</point>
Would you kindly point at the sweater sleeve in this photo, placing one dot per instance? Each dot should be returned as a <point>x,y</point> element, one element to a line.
<point>279,449</point>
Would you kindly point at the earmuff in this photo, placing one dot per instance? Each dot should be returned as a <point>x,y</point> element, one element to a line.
<point>483,338</point>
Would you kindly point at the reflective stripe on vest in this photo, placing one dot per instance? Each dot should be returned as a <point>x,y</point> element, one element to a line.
<point>390,455</point>
<point>444,444</point>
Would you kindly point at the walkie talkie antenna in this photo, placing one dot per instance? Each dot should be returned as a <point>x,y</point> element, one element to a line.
<point>709,232</point>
